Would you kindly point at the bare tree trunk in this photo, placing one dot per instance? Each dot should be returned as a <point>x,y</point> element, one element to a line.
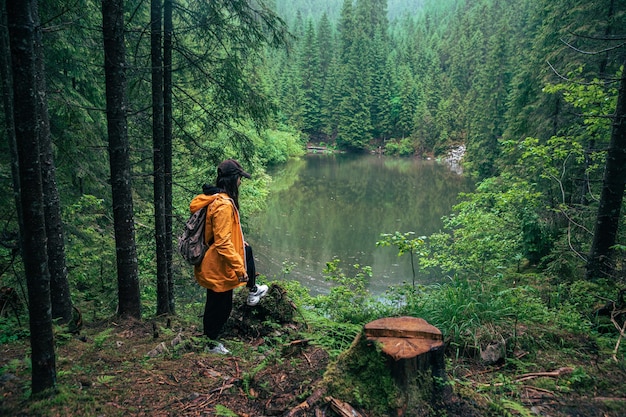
<point>21,22</point>
<point>158,161</point>
<point>129,301</point>
<point>599,264</point>
<point>7,100</point>
<point>167,143</point>
<point>59,287</point>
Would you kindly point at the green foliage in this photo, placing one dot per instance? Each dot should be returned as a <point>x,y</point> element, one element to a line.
<point>488,232</point>
<point>405,245</point>
<point>349,301</point>
<point>222,411</point>
<point>334,336</point>
<point>100,339</point>
<point>11,330</point>
<point>277,146</point>
<point>403,147</point>
<point>595,99</point>
<point>514,408</point>
<point>90,252</point>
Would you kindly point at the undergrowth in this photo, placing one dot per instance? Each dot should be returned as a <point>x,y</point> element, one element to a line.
<point>536,334</point>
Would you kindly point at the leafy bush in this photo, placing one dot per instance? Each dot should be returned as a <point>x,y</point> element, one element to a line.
<point>350,301</point>
<point>402,147</point>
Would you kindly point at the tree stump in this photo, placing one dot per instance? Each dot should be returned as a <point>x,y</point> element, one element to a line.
<point>415,352</point>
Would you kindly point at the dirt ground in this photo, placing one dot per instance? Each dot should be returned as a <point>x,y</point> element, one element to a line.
<point>160,368</point>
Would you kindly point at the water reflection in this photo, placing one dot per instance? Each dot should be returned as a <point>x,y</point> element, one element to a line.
<point>326,206</point>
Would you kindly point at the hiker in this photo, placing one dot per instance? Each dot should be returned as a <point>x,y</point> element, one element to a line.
<point>229,262</point>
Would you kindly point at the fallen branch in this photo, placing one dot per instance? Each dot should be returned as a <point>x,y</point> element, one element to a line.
<point>620,329</point>
<point>221,388</point>
<point>342,408</point>
<point>609,399</point>
<point>525,377</point>
<point>552,374</point>
<point>541,390</point>
<point>313,398</point>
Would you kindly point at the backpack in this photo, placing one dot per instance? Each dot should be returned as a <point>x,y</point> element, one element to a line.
<point>191,244</point>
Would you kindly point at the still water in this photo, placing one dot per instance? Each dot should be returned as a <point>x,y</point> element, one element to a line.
<point>326,206</point>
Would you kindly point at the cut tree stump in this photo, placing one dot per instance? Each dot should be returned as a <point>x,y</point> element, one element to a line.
<point>416,351</point>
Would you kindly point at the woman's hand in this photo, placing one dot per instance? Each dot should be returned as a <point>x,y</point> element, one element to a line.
<point>243,278</point>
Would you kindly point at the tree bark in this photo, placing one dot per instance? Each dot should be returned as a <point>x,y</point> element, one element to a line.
<point>7,101</point>
<point>157,157</point>
<point>167,143</point>
<point>129,302</point>
<point>21,23</point>
<point>60,298</point>
<point>599,264</point>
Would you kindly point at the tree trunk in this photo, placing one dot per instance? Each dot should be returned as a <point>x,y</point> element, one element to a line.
<point>129,302</point>
<point>20,16</point>
<point>599,264</point>
<point>7,101</point>
<point>59,287</point>
<point>167,143</point>
<point>158,161</point>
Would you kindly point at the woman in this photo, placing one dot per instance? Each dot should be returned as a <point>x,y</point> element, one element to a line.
<point>228,263</point>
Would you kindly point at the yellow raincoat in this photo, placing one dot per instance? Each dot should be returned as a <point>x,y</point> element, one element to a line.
<point>224,261</point>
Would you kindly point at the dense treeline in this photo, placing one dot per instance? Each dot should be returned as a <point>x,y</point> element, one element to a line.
<point>294,12</point>
<point>530,88</point>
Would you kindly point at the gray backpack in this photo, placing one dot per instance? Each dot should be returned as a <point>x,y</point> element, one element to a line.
<point>191,244</point>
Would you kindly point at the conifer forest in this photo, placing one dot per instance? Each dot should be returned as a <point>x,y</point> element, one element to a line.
<point>117,111</point>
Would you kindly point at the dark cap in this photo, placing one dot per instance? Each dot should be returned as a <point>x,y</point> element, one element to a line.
<point>231,167</point>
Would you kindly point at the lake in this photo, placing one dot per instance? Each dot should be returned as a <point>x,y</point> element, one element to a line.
<point>324,206</point>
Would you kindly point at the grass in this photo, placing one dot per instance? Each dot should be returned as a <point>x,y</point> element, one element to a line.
<point>106,370</point>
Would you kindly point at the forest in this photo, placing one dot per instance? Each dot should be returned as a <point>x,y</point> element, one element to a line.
<point>117,111</point>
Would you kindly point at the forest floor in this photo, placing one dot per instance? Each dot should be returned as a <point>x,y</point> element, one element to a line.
<point>160,368</point>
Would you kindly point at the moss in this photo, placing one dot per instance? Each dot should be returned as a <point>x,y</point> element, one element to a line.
<point>360,377</point>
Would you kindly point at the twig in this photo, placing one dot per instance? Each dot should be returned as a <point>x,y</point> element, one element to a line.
<point>313,398</point>
<point>621,330</point>
<point>580,51</point>
<point>532,375</point>
<point>542,390</point>
<point>553,374</point>
<point>221,389</point>
<point>236,367</point>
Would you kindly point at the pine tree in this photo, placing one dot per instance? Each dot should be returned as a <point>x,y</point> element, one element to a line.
<point>22,19</point>
<point>310,81</point>
<point>129,300</point>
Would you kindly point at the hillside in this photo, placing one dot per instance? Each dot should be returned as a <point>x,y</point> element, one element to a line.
<point>159,368</point>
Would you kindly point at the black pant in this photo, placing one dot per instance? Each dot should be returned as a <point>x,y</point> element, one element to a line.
<point>216,312</point>
<point>250,268</point>
<point>219,305</point>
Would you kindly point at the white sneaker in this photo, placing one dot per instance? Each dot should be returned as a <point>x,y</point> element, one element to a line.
<point>255,297</point>
<point>218,349</point>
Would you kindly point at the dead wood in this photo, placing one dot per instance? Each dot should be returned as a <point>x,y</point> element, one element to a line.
<point>305,405</point>
<point>342,408</point>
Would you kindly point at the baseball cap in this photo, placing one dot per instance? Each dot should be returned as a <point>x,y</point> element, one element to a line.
<point>231,167</point>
